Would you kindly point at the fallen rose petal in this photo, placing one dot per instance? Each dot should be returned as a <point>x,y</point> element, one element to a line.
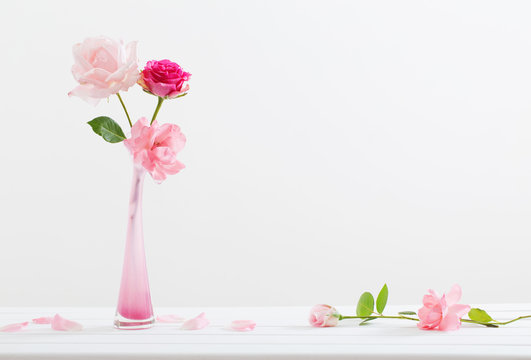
<point>196,323</point>
<point>14,327</point>
<point>42,320</point>
<point>61,324</point>
<point>243,325</point>
<point>170,318</point>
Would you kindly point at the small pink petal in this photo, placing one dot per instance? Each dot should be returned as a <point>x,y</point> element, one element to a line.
<point>454,295</point>
<point>450,322</point>
<point>459,309</point>
<point>42,320</point>
<point>170,318</point>
<point>14,327</point>
<point>243,325</point>
<point>61,324</point>
<point>196,323</point>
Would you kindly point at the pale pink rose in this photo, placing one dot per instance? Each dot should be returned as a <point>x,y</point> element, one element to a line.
<point>155,147</point>
<point>197,323</point>
<point>442,313</point>
<point>14,327</point>
<point>243,325</point>
<point>103,67</point>
<point>164,78</point>
<point>42,320</point>
<point>61,324</point>
<point>323,316</point>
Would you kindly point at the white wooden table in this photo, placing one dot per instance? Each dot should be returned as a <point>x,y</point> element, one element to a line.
<point>281,333</point>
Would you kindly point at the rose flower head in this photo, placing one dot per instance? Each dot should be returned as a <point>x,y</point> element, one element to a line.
<point>156,147</point>
<point>442,313</point>
<point>103,67</point>
<point>164,78</point>
<point>323,316</point>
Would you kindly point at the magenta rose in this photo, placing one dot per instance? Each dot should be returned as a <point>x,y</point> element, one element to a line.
<point>164,78</point>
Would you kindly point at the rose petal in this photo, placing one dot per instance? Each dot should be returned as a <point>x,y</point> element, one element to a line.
<point>454,295</point>
<point>459,309</point>
<point>61,324</point>
<point>42,320</point>
<point>450,323</point>
<point>196,323</point>
<point>430,318</point>
<point>14,327</point>
<point>243,325</point>
<point>170,318</point>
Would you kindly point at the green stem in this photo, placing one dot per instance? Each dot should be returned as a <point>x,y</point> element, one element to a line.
<point>125,109</point>
<point>479,322</point>
<point>159,103</point>
<point>513,320</point>
<point>341,317</point>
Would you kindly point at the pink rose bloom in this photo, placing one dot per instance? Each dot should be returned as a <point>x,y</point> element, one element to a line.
<point>164,78</point>
<point>324,316</point>
<point>103,67</point>
<point>443,313</point>
<point>156,147</point>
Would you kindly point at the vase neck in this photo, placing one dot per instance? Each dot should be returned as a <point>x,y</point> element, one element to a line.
<point>135,198</point>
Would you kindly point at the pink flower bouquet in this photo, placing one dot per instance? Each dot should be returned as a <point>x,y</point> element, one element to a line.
<point>104,67</point>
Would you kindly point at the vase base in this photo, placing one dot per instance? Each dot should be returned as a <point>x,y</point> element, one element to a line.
<point>123,323</point>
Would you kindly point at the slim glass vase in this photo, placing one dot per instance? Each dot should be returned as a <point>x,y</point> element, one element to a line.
<point>134,309</point>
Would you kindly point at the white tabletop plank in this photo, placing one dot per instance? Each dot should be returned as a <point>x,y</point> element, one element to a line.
<point>281,333</point>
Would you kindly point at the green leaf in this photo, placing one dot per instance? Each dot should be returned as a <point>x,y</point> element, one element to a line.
<point>407,313</point>
<point>366,320</point>
<point>108,129</point>
<point>381,300</point>
<point>479,315</point>
<point>365,304</point>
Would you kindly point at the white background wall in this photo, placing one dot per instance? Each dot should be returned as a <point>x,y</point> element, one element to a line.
<point>332,146</point>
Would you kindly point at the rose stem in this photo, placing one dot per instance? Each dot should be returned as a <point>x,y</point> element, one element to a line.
<point>159,103</point>
<point>341,317</point>
<point>513,320</point>
<point>377,317</point>
<point>125,109</point>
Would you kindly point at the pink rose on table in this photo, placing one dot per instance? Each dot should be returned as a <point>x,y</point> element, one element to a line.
<point>156,147</point>
<point>103,67</point>
<point>443,313</point>
<point>164,78</point>
<point>323,316</point>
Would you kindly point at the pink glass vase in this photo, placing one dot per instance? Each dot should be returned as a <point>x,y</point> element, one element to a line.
<point>134,309</point>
